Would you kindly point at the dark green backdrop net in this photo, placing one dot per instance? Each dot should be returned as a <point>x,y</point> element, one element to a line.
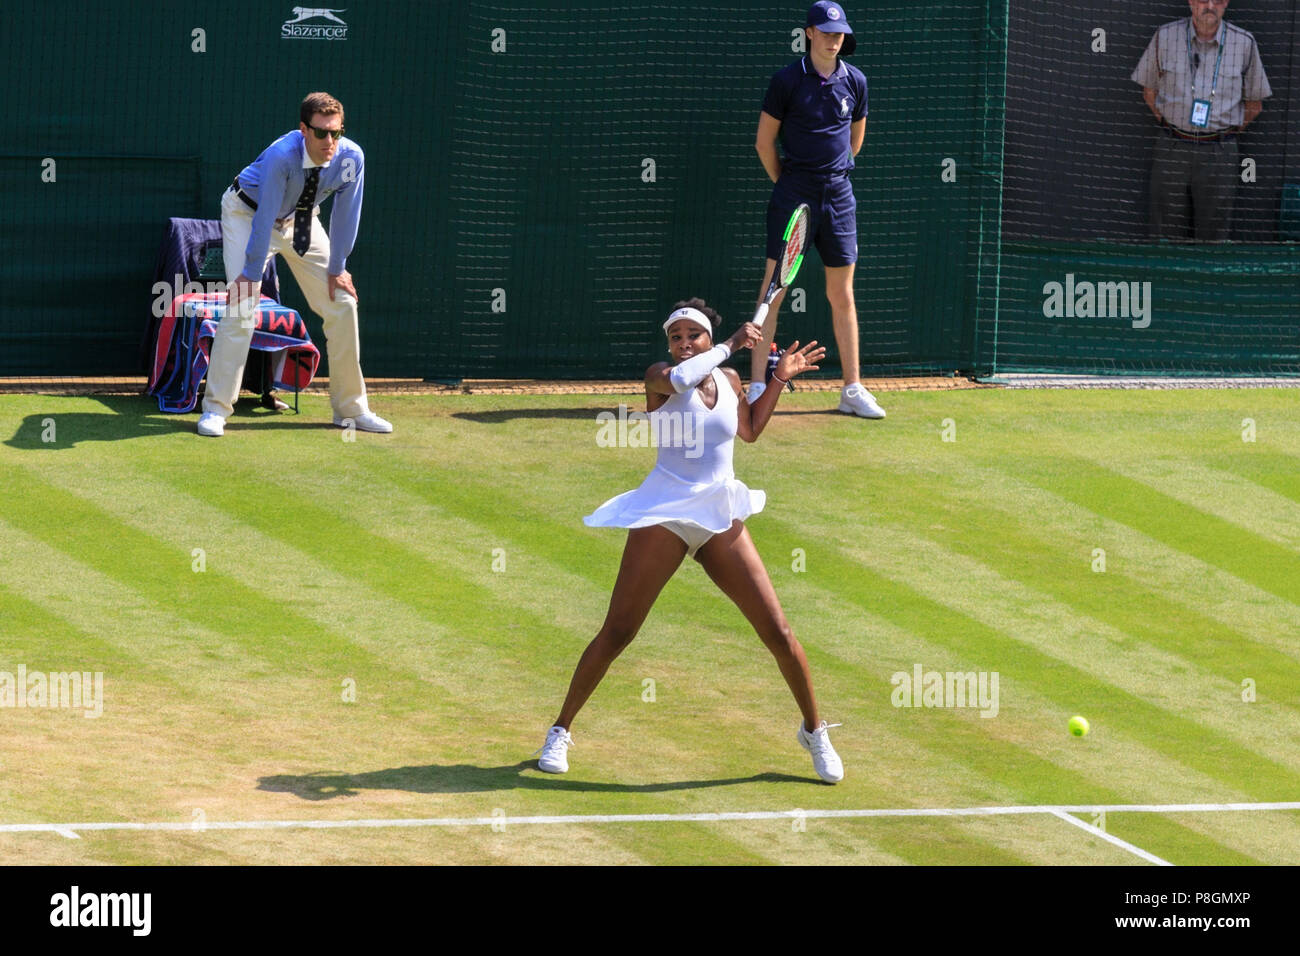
<point>545,180</point>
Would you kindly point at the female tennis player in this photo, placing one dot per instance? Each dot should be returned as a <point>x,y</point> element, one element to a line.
<point>692,504</point>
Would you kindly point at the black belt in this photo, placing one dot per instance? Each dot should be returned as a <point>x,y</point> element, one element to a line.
<point>248,201</point>
<point>1176,133</point>
<point>251,203</point>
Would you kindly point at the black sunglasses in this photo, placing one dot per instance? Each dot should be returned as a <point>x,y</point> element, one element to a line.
<point>322,133</point>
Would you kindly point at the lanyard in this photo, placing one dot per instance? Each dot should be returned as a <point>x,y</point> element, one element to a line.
<point>1214,83</point>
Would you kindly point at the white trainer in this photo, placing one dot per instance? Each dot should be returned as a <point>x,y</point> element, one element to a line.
<point>856,400</point>
<point>756,389</point>
<point>555,757</point>
<point>212,425</point>
<point>365,422</point>
<point>825,760</point>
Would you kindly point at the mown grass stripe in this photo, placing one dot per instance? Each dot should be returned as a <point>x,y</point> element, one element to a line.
<point>1164,681</point>
<point>82,606</point>
<point>393,643</point>
<point>1222,493</point>
<point>270,631</point>
<point>1277,471</point>
<point>442,590</point>
<point>37,635</point>
<point>1056,679</point>
<point>1246,555</point>
<point>1225,605</point>
<point>1038,556</point>
<point>1027,721</point>
<point>970,586</point>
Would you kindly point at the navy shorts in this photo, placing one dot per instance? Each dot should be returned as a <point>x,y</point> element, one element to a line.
<point>834,220</point>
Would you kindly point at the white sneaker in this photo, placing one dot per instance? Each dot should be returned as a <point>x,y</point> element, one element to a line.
<point>212,425</point>
<point>858,401</point>
<point>755,390</point>
<point>825,760</point>
<point>555,757</point>
<point>365,422</point>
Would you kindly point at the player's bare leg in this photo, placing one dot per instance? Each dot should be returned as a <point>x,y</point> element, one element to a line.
<point>733,563</point>
<point>844,312</point>
<point>651,556</point>
<point>844,315</point>
<point>758,354</point>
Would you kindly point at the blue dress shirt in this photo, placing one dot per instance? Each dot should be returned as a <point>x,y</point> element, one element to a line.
<point>274,181</point>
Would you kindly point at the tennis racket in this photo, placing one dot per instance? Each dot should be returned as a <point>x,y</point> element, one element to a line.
<point>788,260</point>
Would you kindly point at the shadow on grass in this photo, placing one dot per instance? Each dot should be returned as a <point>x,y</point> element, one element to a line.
<point>502,415</point>
<point>830,411</point>
<point>130,417</point>
<point>465,778</point>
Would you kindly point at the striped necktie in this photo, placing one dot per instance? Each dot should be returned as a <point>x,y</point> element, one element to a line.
<point>302,212</point>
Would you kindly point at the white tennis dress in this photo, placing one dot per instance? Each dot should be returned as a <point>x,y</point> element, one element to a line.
<point>692,482</point>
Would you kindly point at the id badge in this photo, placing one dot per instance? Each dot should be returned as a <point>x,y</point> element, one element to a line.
<point>1201,114</point>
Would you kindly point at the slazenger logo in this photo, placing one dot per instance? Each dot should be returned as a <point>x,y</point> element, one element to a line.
<point>295,29</point>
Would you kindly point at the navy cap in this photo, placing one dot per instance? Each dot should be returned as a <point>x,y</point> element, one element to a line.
<point>830,18</point>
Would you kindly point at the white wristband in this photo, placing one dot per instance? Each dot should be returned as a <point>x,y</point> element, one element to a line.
<point>686,375</point>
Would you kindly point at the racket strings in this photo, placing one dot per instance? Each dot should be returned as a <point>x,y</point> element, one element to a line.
<point>793,251</point>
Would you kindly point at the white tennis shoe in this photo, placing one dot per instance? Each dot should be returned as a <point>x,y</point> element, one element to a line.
<point>856,400</point>
<point>365,422</point>
<point>212,425</point>
<point>825,760</point>
<point>555,756</point>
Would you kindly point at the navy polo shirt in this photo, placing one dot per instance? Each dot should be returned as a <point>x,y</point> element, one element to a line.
<point>815,116</point>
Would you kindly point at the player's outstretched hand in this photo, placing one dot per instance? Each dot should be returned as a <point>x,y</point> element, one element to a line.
<point>797,360</point>
<point>745,337</point>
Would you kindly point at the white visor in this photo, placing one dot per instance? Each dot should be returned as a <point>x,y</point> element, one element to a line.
<point>695,315</point>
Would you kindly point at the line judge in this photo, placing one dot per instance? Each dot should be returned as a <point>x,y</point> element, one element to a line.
<point>273,206</point>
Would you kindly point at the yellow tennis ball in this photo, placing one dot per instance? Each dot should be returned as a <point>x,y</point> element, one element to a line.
<point>1078,726</point>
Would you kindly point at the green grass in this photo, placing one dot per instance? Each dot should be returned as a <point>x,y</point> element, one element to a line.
<point>328,565</point>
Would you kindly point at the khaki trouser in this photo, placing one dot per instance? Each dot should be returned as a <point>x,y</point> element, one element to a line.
<point>235,333</point>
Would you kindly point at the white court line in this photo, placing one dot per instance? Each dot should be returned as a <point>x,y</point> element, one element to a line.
<point>1111,838</point>
<point>64,829</point>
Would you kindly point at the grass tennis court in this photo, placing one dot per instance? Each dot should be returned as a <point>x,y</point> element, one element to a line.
<point>234,592</point>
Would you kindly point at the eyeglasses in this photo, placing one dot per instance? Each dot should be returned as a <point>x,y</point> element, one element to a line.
<point>322,133</point>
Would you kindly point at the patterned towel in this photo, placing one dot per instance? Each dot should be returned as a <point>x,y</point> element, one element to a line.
<point>184,345</point>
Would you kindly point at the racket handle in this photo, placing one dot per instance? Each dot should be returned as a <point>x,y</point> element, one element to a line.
<point>761,315</point>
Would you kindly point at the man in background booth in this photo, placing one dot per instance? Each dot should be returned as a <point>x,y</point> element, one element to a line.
<point>1203,79</point>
